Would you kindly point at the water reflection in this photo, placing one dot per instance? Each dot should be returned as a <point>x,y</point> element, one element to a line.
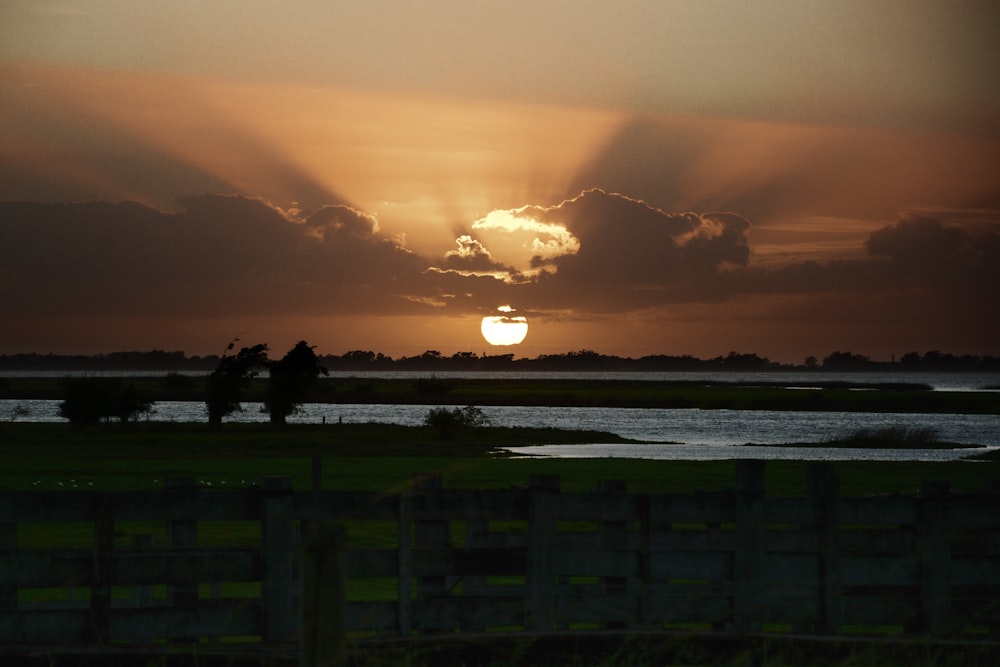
<point>728,452</point>
<point>701,434</point>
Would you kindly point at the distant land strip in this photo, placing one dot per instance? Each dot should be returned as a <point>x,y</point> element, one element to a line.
<point>579,361</point>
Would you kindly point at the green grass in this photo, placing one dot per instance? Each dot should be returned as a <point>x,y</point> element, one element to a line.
<point>382,457</point>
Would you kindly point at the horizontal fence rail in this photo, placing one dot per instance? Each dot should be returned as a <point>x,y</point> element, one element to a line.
<point>268,568</point>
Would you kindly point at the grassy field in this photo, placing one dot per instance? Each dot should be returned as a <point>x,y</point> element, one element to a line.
<point>382,457</point>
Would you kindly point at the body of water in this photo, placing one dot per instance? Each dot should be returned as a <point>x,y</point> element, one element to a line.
<point>673,433</point>
<point>937,381</point>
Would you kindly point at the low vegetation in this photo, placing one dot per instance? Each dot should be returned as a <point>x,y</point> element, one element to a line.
<point>362,457</point>
<point>624,393</point>
<point>906,437</point>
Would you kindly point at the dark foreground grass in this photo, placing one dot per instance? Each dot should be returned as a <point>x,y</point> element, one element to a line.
<point>379,457</point>
<point>383,457</point>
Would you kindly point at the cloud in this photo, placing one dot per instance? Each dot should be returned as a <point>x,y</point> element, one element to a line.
<point>543,239</point>
<point>229,258</point>
<point>924,248</point>
<point>339,219</point>
<point>218,255</point>
<point>633,255</point>
<point>472,258</point>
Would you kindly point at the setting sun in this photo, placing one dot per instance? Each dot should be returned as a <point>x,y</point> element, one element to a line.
<point>504,329</point>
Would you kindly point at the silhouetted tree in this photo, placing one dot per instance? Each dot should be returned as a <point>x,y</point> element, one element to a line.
<point>846,361</point>
<point>291,378</point>
<point>230,378</point>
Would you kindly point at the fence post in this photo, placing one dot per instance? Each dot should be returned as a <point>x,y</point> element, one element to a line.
<point>824,491</point>
<point>182,534</point>
<point>100,585</point>
<point>935,556</point>
<point>277,536</point>
<point>614,535</point>
<point>748,556</point>
<point>324,594</point>
<point>430,535</point>
<point>645,617</point>
<point>540,603</point>
<point>8,544</point>
<point>404,561</point>
<point>142,594</point>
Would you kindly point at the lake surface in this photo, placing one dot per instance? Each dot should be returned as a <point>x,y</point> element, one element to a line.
<point>687,434</point>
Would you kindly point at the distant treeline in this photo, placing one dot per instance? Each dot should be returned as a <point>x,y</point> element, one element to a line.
<point>583,360</point>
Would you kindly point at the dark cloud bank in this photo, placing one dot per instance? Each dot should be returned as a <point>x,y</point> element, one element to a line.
<point>234,256</point>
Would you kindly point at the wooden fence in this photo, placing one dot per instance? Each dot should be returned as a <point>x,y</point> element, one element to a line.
<point>267,569</point>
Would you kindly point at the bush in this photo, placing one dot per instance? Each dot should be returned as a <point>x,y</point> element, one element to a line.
<point>90,400</point>
<point>448,422</point>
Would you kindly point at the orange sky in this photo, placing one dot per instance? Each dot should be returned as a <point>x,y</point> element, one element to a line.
<point>643,178</point>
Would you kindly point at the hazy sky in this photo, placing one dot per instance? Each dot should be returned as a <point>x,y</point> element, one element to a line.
<point>785,177</point>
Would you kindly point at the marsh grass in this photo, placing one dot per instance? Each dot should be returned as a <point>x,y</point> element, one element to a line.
<point>906,437</point>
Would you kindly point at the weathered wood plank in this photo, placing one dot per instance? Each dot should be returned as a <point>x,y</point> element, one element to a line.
<point>778,569</point>
<point>62,568</point>
<point>619,563</point>
<point>100,587</point>
<point>70,506</point>
<point>734,560</point>
<point>879,570</point>
<point>893,510</point>
<point>452,614</point>
<point>673,565</point>
<point>468,562</point>
<point>229,618</point>
<point>698,507</point>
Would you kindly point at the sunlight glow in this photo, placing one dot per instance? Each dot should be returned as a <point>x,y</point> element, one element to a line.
<point>545,240</point>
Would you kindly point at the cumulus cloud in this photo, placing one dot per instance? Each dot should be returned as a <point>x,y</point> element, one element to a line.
<point>471,256</point>
<point>218,254</point>
<point>914,253</point>
<point>633,255</point>
<point>627,240</point>
<point>342,220</point>
<point>924,246</point>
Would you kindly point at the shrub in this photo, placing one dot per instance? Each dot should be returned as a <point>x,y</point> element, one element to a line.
<point>90,400</point>
<point>448,422</point>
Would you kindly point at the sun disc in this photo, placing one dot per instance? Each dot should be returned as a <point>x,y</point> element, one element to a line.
<point>505,329</point>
